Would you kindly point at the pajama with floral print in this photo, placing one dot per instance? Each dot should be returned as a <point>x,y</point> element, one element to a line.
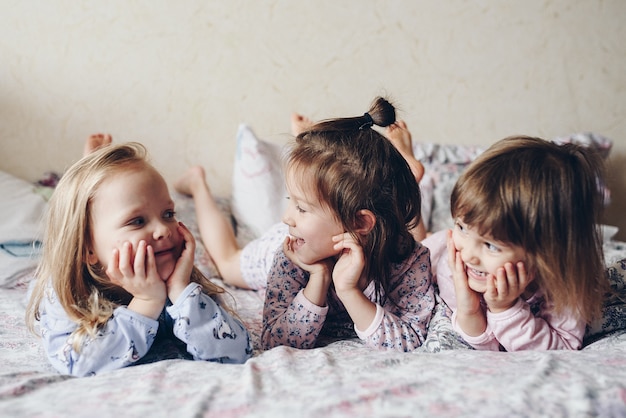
<point>401,320</point>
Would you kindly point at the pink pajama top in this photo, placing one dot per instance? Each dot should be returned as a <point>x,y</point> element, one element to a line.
<point>530,324</point>
<point>290,319</point>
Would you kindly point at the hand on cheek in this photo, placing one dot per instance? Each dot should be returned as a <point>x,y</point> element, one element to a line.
<point>468,301</point>
<point>350,264</point>
<point>181,276</point>
<point>137,275</point>
<point>506,287</point>
<point>320,268</point>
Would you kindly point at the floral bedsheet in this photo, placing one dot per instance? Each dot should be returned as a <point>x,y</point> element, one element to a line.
<point>443,378</point>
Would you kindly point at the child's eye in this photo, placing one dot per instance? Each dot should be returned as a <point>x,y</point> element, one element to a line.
<point>299,209</point>
<point>170,214</point>
<point>458,226</point>
<point>137,222</point>
<point>492,247</point>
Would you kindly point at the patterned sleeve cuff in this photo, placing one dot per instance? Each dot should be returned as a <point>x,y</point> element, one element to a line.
<point>308,305</point>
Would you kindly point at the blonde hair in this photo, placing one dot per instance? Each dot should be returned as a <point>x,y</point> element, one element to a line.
<point>85,292</point>
<point>546,199</point>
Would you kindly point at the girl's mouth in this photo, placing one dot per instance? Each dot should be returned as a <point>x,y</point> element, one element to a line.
<point>162,253</point>
<point>296,243</point>
<point>476,274</point>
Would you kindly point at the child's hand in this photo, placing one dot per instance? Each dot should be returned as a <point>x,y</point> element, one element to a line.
<point>470,316</point>
<point>319,274</point>
<point>181,276</point>
<point>350,264</point>
<point>508,285</point>
<point>321,267</point>
<point>139,277</point>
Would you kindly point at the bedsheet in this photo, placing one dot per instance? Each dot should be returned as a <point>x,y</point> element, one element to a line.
<point>345,378</point>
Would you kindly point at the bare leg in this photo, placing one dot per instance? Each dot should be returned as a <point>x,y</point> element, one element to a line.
<point>400,137</point>
<point>299,123</point>
<point>216,231</point>
<point>96,141</point>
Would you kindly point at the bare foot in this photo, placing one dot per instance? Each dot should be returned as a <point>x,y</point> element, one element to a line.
<point>299,123</point>
<point>96,141</point>
<point>189,182</point>
<point>400,137</point>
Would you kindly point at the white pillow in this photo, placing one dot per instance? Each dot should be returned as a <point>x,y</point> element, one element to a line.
<point>259,195</point>
<point>20,227</point>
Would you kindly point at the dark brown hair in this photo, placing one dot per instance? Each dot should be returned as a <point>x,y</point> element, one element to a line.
<point>354,167</point>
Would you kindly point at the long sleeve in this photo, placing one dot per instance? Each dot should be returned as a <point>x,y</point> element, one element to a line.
<point>209,331</point>
<point>290,319</point>
<point>518,328</point>
<point>125,338</point>
<point>530,324</point>
<point>403,326</point>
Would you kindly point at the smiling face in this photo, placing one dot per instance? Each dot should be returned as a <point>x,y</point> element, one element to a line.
<point>311,223</point>
<point>132,206</point>
<point>482,254</point>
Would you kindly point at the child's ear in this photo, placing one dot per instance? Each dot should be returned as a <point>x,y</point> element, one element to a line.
<point>365,221</point>
<point>91,257</point>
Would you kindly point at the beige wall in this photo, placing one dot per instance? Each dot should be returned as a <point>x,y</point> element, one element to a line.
<point>180,76</point>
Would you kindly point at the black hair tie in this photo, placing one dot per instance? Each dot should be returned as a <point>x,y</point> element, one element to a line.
<point>368,121</point>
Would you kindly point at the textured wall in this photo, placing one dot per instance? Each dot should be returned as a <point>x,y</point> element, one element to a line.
<point>180,76</point>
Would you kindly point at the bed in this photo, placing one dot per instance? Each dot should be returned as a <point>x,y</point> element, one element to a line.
<point>343,378</point>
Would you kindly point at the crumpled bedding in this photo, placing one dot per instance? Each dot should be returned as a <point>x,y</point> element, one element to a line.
<point>344,378</point>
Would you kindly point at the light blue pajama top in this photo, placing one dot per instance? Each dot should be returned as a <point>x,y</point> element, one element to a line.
<point>196,323</point>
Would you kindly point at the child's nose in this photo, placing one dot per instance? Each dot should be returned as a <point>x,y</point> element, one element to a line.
<point>161,231</point>
<point>468,255</point>
<point>287,218</point>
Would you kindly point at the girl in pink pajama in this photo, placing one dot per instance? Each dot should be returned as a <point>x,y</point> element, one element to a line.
<point>523,268</point>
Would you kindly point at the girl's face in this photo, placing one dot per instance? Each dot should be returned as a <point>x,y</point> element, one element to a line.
<point>311,223</point>
<point>482,255</point>
<point>133,206</point>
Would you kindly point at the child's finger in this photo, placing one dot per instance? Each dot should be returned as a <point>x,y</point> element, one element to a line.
<point>150,264</point>
<point>451,251</point>
<point>501,283</point>
<point>125,264</point>
<point>190,240</point>
<point>287,245</point>
<point>140,259</point>
<point>492,290</point>
<point>113,271</point>
<point>524,278</point>
<point>512,278</point>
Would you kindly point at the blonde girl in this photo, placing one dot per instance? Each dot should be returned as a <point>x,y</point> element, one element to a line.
<point>117,278</point>
<point>350,265</point>
<point>523,267</point>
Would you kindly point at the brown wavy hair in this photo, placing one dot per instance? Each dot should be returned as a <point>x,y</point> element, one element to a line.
<point>354,167</point>
<point>544,198</point>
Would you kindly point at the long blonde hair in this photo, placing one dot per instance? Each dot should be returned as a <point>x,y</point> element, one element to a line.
<point>85,292</point>
<point>546,199</point>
